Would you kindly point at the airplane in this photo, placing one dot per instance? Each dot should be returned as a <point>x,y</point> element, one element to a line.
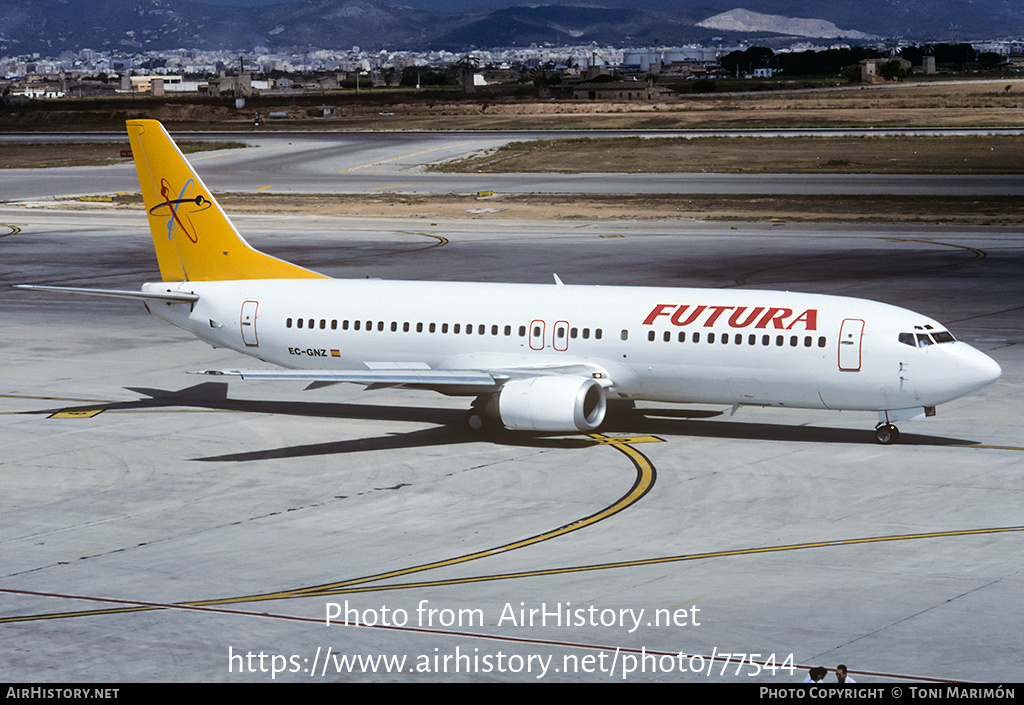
<point>544,358</point>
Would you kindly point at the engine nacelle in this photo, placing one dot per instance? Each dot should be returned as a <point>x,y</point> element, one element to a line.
<point>555,404</point>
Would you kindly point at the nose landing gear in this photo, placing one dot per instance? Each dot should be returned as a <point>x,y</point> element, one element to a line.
<point>886,433</point>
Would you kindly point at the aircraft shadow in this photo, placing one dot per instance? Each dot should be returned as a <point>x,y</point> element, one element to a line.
<point>739,430</point>
<point>448,429</point>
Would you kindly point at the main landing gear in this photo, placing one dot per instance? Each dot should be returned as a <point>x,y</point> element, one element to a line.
<point>477,421</point>
<point>886,433</point>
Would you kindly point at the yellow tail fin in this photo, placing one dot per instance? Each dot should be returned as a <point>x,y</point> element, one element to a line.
<point>194,240</point>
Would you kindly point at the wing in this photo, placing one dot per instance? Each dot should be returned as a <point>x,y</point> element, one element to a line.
<point>387,377</point>
<point>450,381</point>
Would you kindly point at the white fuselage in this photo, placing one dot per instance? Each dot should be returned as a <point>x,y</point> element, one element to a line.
<point>659,344</point>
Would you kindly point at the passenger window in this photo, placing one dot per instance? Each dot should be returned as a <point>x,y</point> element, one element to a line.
<point>287,323</point>
<point>650,335</point>
<point>624,335</point>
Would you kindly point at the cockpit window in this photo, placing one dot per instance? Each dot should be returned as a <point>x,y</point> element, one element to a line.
<point>923,340</point>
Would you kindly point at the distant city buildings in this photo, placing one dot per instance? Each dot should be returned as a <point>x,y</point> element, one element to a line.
<point>261,71</point>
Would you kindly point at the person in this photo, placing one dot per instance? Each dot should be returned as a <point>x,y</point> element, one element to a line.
<point>842,676</point>
<point>816,675</point>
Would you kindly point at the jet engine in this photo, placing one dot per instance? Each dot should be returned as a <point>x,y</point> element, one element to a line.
<point>555,404</point>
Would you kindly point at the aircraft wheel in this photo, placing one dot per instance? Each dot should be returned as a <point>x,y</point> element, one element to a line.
<point>475,422</point>
<point>887,434</point>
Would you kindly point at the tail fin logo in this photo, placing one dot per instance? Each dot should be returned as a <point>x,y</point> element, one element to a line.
<point>171,206</point>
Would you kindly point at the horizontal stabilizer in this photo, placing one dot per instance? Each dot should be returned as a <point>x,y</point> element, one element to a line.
<point>460,378</point>
<point>116,293</point>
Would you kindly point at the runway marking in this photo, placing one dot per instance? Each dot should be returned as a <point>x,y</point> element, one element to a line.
<point>264,188</point>
<point>410,154</point>
<point>382,188</point>
<point>141,606</point>
<point>742,279</point>
<point>673,607</point>
<point>978,254</point>
<point>76,414</point>
<point>441,241</point>
<point>964,445</point>
<point>13,229</point>
<point>88,550</point>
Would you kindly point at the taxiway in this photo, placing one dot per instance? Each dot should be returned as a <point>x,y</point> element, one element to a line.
<point>163,527</point>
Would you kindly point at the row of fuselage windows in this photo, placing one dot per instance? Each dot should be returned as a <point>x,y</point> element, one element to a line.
<point>560,332</point>
<point>793,341</point>
<point>455,328</point>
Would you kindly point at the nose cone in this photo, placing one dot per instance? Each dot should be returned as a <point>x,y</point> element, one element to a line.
<point>976,369</point>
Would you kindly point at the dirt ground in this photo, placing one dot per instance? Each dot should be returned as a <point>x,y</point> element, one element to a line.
<point>991,210</point>
<point>18,155</point>
<point>756,155</point>
<point>988,103</point>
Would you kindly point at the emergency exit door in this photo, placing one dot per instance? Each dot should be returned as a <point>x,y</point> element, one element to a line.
<point>248,321</point>
<point>850,335</point>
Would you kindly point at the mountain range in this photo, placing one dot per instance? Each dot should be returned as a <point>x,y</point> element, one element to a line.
<point>53,26</point>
